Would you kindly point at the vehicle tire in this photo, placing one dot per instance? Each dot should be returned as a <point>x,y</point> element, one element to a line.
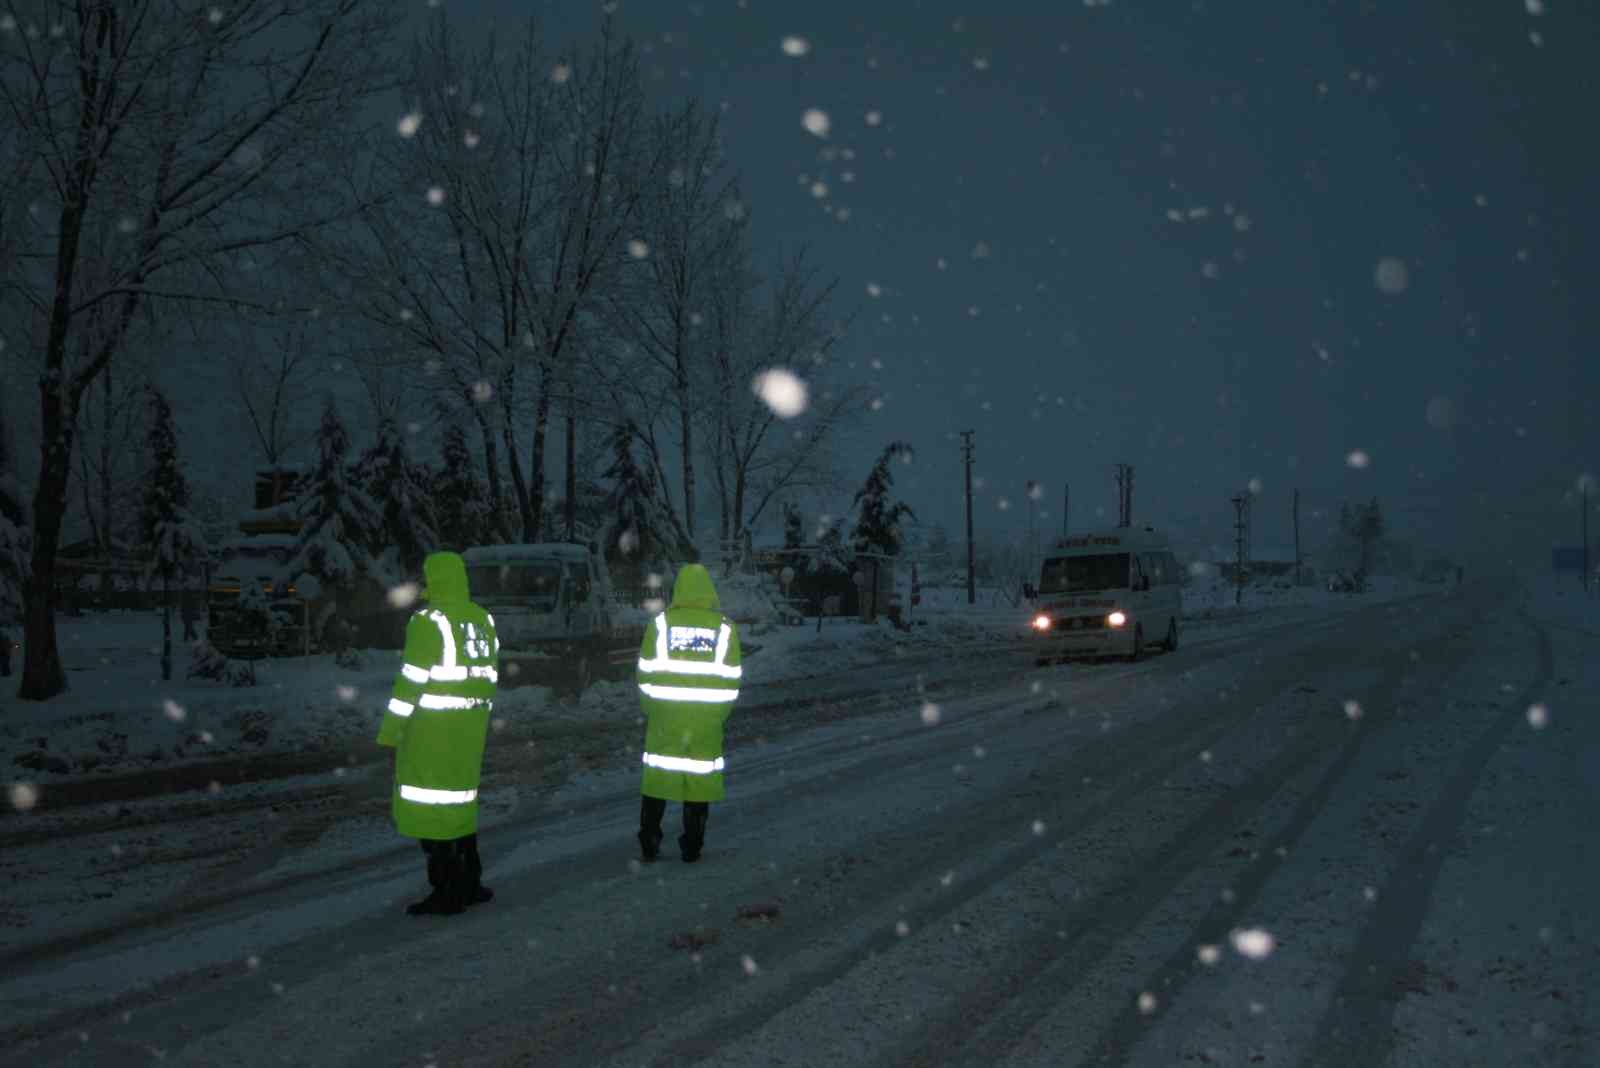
<point>1138,644</point>
<point>1172,635</point>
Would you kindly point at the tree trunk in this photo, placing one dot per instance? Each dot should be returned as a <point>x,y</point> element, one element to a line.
<point>166,629</point>
<point>686,425</point>
<point>572,476</point>
<point>42,674</point>
<point>105,469</point>
<point>541,430</point>
<point>519,484</point>
<point>491,463</point>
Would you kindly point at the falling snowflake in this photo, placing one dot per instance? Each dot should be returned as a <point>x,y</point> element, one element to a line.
<point>795,46</point>
<point>1358,459</point>
<point>1254,485</point>
<point>24,795</point>
<point>1391,275</point>
<point>819,189</point>
<point>560,73</point>
<point>1252,942</point>
<point>1038,827</point>
<point>874,118</point>
<point>1538,717</point>
<point>638,249</point>
<point>409,124</point>
<point>346,693</point>
<point>482,391</point>
<point>435,195</point>
<point>980,251</point>
<point>1352,709</point>
<point>471,139</point>
<point>1535,7</point>
<point>174,711</point>
<point>930,713</point>
<point>404,595</point>
<point>749,964</point>
<point>1208,954</point>
<point>782,391</point>
<point>816,122</point>
<point>1147,1003</point>
<point>902,928</point>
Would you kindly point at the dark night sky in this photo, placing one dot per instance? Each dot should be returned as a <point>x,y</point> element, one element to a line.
<point>1004,234</point>
<point>1301,143</point>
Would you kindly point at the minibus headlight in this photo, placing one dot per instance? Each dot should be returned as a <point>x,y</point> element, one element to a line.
<point>1116,619</point>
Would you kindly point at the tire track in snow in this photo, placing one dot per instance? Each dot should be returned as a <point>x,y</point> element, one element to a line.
<point>1119,1039</point>
<point>1358,1026</point>
<point>359,875</point>
<point>1015,993</point>
<point>1143,755</point>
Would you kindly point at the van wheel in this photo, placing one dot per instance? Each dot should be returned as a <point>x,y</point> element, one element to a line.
<point>1138,644</point>
<point>1172,635</point>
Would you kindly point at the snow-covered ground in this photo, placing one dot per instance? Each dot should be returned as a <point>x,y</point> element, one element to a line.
<point>1352,831</point>
<point>119,717</point>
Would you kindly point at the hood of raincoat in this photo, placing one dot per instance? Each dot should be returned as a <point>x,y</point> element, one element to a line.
<point>693,588</point>
<point>445,575</point>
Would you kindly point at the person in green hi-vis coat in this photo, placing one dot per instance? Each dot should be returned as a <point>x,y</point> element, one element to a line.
<point>689,671</point>
<point>437,720</point>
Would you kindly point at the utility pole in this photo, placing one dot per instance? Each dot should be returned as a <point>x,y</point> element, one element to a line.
<point>1584,485</point>
<point>1124,495</point>
<point>1033,502</point>
<point>1298,571</point>
<point>966,454</point>
<point>1241,543</point>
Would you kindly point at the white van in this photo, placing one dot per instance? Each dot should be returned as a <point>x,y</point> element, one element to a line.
<point>1109,594</point>
<point>551,607</point>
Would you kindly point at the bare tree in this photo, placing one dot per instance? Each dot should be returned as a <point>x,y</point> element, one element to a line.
<point>196,135</point>
<point>758,456</point>
<point>693,226</point>
<point>601,167</point>
<point>274,381</point>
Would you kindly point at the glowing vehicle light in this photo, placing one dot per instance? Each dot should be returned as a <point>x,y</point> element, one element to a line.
<point>1116,619</point>
<point>1041,622</point>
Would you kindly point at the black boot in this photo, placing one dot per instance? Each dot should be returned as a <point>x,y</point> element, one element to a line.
<point>650,812</point>
<point>473,892</point>
<point>693,839</point>
<point>444,872</point>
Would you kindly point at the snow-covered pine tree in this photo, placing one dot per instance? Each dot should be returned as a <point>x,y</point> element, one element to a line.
<point>635,531</point>
<point>339,521</point>
<point>459,501</point>
<point>877,526</point>
<point>794,527</point>
<point>173,541</point>
<point>832,555</point>
<point>399,488</point>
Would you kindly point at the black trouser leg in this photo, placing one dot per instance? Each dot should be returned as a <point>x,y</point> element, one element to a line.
<point>446,868</point>
<point>438,860</point>
<point>651,809</point>
<point>693,840</point>
<point>473,892</point>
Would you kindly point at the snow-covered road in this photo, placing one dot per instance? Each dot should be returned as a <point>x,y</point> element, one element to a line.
<point>1332,841</point>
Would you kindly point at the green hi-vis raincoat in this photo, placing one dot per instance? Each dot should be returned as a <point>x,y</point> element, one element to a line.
<point>688,681</point>
<point>439,713</point>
